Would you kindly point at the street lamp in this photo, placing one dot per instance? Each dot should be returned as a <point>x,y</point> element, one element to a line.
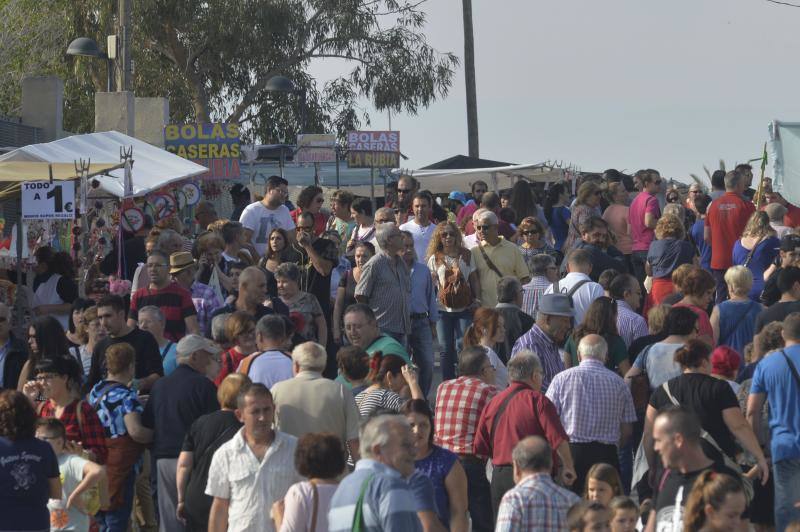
<point>279,83</point>
<point>86,47</point>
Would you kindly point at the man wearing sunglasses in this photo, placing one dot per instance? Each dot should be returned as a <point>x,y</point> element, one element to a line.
<point>494,257</point>
<point>643,216</point>
<point>13,352</point>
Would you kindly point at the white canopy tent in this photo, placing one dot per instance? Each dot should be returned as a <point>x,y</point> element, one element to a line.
<point>152,167</point>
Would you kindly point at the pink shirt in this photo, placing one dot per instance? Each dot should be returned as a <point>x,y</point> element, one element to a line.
<point>617,218</point>
<point>642,236</point>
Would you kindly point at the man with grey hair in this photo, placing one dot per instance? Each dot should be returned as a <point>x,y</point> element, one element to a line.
<point>310,403</point>
<point>518,411</point>
<point>151,320</point>
<point>536,502</point>
<point>385,215</point>
<point>385,284</point>
<point>596,407</point>
<point>726,218</point>
<point>175,402</point>
<point>378,483</point>
<point>270,365</point>
<point>543,273</point>
<point>494,257</point>
<point>517,322</point>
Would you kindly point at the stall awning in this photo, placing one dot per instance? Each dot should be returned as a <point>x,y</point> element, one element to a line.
<point>153,167</point>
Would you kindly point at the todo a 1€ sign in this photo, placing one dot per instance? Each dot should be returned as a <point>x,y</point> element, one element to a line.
<point>42,200</point>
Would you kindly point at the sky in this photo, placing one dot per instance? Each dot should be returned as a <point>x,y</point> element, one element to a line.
<point>623,84</point>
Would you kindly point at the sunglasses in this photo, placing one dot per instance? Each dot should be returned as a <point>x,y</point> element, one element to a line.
<point>483,227</point>
<point>448,234</point>
<point>404,190</point>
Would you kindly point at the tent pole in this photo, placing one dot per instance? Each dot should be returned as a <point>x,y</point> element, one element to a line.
<point>19,310</point>
<point>372,187</point>
<point>336,151</point>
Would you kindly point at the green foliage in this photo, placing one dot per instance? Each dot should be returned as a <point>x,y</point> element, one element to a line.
<point>213,58</point>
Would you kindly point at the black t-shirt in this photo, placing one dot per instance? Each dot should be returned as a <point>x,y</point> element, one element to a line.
<point>776,312</point>
<point>707,397</point>
<point>311,280</point>
<point>26,465</point>
<point>205,436</point>
<point>771,294</point>
<point>175,402</point>
<point>671,491</point>
<point>148,356</point>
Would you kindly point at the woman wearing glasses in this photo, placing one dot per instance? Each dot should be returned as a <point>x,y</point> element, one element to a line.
<point>587,204</point>
<point>531,242</point>
<point>311,200</point>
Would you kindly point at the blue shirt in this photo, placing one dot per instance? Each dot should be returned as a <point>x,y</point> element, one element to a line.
<point>698,236</point>
<point>168,357</point>
<point>388,501</point>
<point>113,401</point>
<point>423,296</point>
<point>773,378</point>
<point>559,225</point>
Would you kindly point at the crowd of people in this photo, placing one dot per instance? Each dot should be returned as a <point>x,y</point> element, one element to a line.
<point>619,358</point>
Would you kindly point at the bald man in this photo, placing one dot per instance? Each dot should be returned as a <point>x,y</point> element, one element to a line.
<point>13,352</point>
<point>251,298</point>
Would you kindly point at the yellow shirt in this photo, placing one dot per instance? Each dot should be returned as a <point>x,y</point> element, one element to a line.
<point>507,258</point>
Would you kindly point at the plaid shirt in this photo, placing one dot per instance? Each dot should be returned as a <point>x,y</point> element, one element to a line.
<point>206,301</point>
<point>592,401</point>
<point>89,432</point>
<point>536,340</point>
<point>630,324</point>
<point>536,503</point>
<point>531,292</point>
<point>459,403</point>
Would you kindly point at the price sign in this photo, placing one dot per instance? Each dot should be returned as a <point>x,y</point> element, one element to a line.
<point>42,200</point>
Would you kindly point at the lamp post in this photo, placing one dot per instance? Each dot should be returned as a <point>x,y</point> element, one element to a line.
<point>279,83</point>
<point>86,47</point>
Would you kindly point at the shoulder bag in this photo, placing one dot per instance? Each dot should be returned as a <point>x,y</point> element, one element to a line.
<point>752,251</point>
<point>489,262</point>
<point>358,515</point>
<point>499,414</point>
<point>640,387</point>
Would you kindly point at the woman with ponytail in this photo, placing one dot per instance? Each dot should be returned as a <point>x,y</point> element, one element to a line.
<point>390,376</point>
<point>487,330</point>
<point>715,504</point>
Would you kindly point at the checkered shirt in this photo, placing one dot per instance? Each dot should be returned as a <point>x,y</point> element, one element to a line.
<point>536,340</point>
<point>536,503</point>
<point>88,431</point>
<point>630,325</point>
<point>459,404</point>
<point>531,292</point>
<point>591,401</point>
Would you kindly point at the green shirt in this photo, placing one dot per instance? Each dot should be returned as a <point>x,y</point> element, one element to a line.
<point>386,345</point>
<point>617,352</point>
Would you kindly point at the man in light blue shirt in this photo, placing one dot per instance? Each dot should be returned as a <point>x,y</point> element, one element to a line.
<point>377,489</point>
<point>777,381</point>
<point>424,313</point>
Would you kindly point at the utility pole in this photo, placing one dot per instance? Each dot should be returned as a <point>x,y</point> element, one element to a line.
<point>469,75</point>
<point>125,70</point>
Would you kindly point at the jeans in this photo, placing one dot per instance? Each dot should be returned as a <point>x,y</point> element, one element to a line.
<point>420,344</point>
<point>117,520</point>
<point>478,495</point>
<point>638,258</point>
<point>450,330</point>
<point>787,492</point>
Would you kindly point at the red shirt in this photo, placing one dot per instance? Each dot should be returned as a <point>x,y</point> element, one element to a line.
<point>88,431</point>
<point>529,413</point>
<point>175,303</point>
<point>792,218</point>
<point>726,218</point>
<point>230,362</point>
<point>459,404</point>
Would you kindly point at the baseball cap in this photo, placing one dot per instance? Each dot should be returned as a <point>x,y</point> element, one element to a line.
<point>194,342</point>
<point>790,242</point>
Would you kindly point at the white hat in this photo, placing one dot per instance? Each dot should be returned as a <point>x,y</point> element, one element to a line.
<point>192,343</point>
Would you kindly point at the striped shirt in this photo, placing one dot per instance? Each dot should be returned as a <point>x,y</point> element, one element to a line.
<point>592,401</point>
<point>175,303</point>
<point>459,403</point>
<point>371,401</point>
<point>630,325</point>
<point>386,283</point>
<point>536,503</point>
<point>531,292</point>
<point>537,341</point>
<point>388,502</point>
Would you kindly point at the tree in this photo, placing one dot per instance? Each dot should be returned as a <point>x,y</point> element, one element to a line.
<point>213,58</point>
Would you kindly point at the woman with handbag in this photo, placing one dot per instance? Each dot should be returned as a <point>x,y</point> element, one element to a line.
<point>451,265</point>
<point>757,249</point>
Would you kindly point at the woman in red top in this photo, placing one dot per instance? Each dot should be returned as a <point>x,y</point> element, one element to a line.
<point>698,288</point>
<point>58,381</point>
<point>311,200</point>
<point>240,330</point>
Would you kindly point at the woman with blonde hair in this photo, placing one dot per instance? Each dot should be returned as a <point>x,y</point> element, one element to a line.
<point>667,252</point>
<point>734,320</point>
<point>757,249</point>
<point>587,204</point>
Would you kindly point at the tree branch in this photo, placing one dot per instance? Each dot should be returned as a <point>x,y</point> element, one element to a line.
<point>783,3</point>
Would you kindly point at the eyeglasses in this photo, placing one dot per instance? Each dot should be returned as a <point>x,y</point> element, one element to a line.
<point>531,232</point>
<point>449,234</point>
<point>483,227</point>
<point>46,376</point>
<point>404,190</point>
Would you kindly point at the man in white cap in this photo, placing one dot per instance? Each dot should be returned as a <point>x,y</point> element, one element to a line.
<point>176,401</point>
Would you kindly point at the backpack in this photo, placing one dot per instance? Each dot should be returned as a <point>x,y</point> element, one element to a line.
<point>456,292</point>
<point>572,291</point>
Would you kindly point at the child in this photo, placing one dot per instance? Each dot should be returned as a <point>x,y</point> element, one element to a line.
<point>587,516</point>
<point>602,484</point>
<point>626,514</point>
<point>77,476</point>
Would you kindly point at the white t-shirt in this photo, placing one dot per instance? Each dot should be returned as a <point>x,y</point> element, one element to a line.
<point>261,221</point>
<point>270,368</point>
<point>501,372</point>
<point>422,237</point>
<point>70,467</point>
